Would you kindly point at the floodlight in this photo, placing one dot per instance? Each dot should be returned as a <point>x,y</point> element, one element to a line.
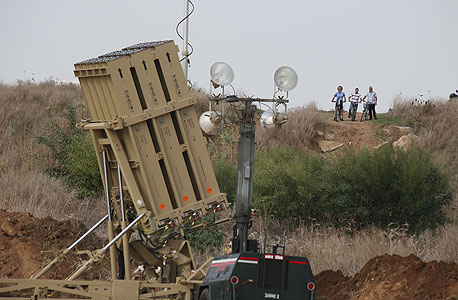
<point>285,78</point>
<point>268,121</point>
<point>221,73</point>
<point>211,122</point>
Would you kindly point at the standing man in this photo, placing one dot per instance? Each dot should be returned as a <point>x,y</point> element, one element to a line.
<point>371,102</point>
<point>355,98</point>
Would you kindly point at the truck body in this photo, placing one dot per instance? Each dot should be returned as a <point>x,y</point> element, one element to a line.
<point>259,276</point>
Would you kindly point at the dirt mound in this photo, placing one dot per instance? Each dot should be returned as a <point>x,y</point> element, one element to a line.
<point>355,135</point>
<point>392,277</point>
<point>27,244</point>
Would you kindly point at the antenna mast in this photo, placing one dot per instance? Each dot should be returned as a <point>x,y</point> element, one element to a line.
<point>185,53</point>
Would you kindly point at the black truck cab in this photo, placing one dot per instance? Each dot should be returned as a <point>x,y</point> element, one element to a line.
<point>258,276</point>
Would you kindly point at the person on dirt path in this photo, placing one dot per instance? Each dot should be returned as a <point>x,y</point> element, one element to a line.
<point>340,99</point>
<point>371,102</point>
<point>354,98</point>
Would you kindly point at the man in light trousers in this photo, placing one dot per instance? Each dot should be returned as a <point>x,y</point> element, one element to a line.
<point>371,102</point>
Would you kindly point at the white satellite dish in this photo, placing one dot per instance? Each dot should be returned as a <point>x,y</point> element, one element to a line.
<point>268,121</point>
<point>285,78</point>
<point>211,122</point>
<point>221,73</point>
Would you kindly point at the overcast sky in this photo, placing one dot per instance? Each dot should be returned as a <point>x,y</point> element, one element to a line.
<point>408,46</point>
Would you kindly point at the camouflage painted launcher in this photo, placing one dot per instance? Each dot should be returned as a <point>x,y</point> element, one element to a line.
<point>142,115</point>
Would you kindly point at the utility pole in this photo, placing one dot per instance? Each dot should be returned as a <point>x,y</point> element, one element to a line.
<point>185,53</point>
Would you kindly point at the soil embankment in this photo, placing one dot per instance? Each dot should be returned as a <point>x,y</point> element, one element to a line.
<point>391,277</point>
<point>28,243</point>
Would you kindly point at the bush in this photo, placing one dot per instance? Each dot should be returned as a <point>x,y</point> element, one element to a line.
<point>287,184</point>
<point>75,161</point>
<point>206,240</point>
<point>379,187</point>
<point>226,175</point>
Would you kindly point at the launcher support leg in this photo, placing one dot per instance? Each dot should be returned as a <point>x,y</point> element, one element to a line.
<point>110,222</point>
<point>112,251</point>
<point>125,238</point>
<point>125,251</point>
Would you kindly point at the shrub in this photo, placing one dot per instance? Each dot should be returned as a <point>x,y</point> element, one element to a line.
<point>359,188</point>
<point>287,184</point>
<point>73,152</point>
<point>226,174</point>
<point>206,240</point>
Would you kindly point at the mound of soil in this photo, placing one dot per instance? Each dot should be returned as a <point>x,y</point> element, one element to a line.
<point>354,135</point>
<point>27,244</point>
<point>391,277</point>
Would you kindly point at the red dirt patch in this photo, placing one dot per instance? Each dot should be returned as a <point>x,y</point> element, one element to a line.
<point>391,277</point>
<point>27,244</point>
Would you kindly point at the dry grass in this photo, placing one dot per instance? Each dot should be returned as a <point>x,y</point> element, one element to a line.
<point>25,187</point>
<point>435,122</point>
<point>332,249</point>
<point>297,133</point>
<point>42,196</point>
<point>202,98</point>
<point>25,108</point>
<point>337,250</point>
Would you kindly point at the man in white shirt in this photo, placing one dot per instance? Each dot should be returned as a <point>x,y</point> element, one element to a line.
<point>355,98</point>
<point>371,102</point>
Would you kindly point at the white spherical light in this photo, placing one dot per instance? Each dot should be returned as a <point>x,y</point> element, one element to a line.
<point>221,73</point>
<point>285,78</point>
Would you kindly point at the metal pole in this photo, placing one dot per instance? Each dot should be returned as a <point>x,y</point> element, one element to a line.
<point>265,240</point>
<point>125,238</point>
<point>110,222</point>
<point>123,217</point>
<point>62,255</point>
<point>105,180</point>
<point>185,53</point>
<point>244,178</point>
<point>88,232</point>
<point>123,231</point>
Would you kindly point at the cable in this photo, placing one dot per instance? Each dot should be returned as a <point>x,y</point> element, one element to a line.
<point>181,37</point>
<point>232,88</point>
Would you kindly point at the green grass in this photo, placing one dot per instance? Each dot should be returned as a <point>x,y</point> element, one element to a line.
<point>386,119</point>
